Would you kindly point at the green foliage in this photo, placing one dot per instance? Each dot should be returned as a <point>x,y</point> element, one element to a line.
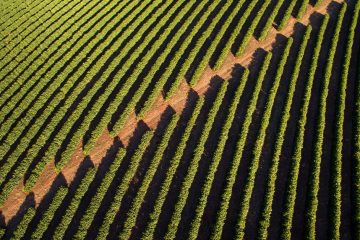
<point>194,164</point>
<point>312,203</point>
<point>174,163</point>
<point>159,84</point>
<point>302,9</point>
<point>74,205</point>
<point>231,177</point>
<point>297,153</point>
<point>123,186</point>
<point>96,200</point>
<point>226,49</point>
<point>287,15</point>
<point>131,215</point>
<point>23,225</point>
<point>335,190</point>
<point>249,33</point>
<point>270,20</point>
<point>200,67</point>
<point>48,130</point>
<point>129,82</point>
<point>195,50</point>
<point>205,191</point>
<point>49,213</point>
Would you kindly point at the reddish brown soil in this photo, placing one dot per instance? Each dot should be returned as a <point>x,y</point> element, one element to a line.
<point>177,102</point>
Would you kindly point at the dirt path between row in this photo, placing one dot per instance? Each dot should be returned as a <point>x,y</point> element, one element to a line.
<point>177,102</point>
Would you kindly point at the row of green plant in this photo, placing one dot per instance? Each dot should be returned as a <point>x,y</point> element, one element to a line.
<point>54,58</point>
<point>30,47</point>
<point>115,205</point>
<point>73,206</point>
<point>302,9</point>
<point>24,223</point>
<point>240,145</point>
<point>96,200</point>
<point>296,159</point>
<point>130,81</point>
<point>48,215</point>
<point>206,188</point>
<point>85,123</point>
<point>189,59</point>
<point>194,164</point>
<point>336,170</point>
<point>48,130</point>
<point>259,144</point>
<point>133,211</point>
<point>235,33</point>
<point>312,201</point>
<point>27,20</point>
<point>250,31</point>
<point>205,58</point>
<point>269,22</point>
<point>39,87</point>
<point>286,16</point>
<point>174,163</point>
<point>169,69</point>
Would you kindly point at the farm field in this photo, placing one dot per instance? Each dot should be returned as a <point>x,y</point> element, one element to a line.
<point>164,119</point>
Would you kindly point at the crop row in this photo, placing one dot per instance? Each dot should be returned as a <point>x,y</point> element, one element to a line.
<point>265,121</point>
<point>189,59</point>
<point>286,16</point>
<point>206,188</point>
<point>48,215</point>
<point>50,61</point>
<point>133,212</point>
<point>115,205</point>
<point>231,176</point>
<point>335,201</point>
<point>296,158</point>
<point>312,204</point>
<point>194,164</point>
<point>96,200</point>
<point>23,225</point>
<point>200,67</point>
<point>57,117</point>
<point>174,163</point>
<point>265,30</point>
<point>130,81</point>
<point>226,48</point>
<point>74,204</point>
<point>169,69</point>
<point>36,86</point>
<point>250,31</point>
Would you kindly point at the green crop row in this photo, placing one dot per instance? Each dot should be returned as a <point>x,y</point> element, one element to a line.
<point>335,200</point>
<point>249,33</point>
<point>270,20</point>
<point>226,49</point>
<point>96,200</point>
<point>36,88</point>
<point>200,67</point>
<point>312,203</point>
<point>129,82</point>
<point>49,128</point>
<point>296,158</point>
<point>115,205</point>
<point>231,177</point>
<point>302,9</point>
<point>161,59</point>
<point>194,164</point>
<point>48,215</point>
<point>74,205</point>
<point>189,59</point>
<point>23,225</point>
<point>259,144</point>
<point>286,16</point>
<point>174,163</point>
<point>133,212</point>
<point>206,188</point>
